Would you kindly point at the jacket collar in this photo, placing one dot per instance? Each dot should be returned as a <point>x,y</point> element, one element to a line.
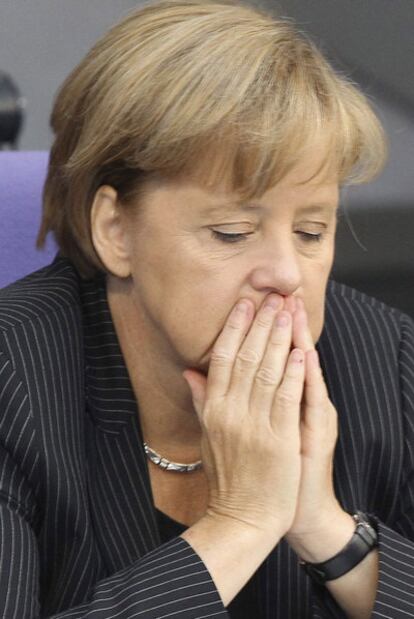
<point>110,397</point>
<point>119,484</point>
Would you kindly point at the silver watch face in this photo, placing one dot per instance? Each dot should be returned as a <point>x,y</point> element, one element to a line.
<point>363,521</point>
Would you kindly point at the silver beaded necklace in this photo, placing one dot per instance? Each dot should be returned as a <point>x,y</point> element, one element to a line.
<point>167,465</point>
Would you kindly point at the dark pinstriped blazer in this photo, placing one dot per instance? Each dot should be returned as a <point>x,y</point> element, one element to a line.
<point>78,533</point>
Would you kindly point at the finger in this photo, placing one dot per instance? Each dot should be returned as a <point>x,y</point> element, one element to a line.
<point>250,355</point>
<point>316,401</point>
<point>302,337</point>
<point>285,413</point>
<point>319,418</point>
<point>316,392</point>
<point>290,304</point>
<point>272,369</point>
<point>226,347</point>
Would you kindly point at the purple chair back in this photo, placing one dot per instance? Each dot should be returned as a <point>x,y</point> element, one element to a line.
<point>22,175</point>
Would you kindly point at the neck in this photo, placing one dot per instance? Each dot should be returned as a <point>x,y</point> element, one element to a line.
<point>168,420</point>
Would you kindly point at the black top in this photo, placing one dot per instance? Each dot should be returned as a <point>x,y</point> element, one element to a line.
<point>244,605</point>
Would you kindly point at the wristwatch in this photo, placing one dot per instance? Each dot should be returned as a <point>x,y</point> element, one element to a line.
<point>364,539</point>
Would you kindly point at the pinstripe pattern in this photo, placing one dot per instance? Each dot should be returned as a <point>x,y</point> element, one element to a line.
<point>78,534</point>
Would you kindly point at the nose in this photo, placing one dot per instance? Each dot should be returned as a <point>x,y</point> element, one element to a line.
<point>276,269</point>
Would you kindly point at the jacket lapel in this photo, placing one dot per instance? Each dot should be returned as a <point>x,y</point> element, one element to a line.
<point>119,488</point>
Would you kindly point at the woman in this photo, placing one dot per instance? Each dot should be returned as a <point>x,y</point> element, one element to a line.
<point>168,438</point>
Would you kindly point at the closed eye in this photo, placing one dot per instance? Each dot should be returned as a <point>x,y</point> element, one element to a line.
<point>236,237</point>
<point>309,237</point>
<point>230,237</point>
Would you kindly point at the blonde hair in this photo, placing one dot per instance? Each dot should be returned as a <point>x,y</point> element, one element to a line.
<point>177,80</point>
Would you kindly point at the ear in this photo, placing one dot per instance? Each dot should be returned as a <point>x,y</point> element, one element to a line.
<point>108,229</point>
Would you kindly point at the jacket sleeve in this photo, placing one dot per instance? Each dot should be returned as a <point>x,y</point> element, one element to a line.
<point>395,593</point>
<point>395,590</point>
<point>170,581</point>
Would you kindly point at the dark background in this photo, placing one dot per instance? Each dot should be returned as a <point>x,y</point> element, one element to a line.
<point>371,41</point>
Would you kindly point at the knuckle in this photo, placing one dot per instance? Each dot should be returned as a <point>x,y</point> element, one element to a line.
<point>233,325</point>
<point>264,320</point>
<point>278,339</point>
<point>286,399</point>
<point>247,358</point>
<point>220,356</point>
<point>266,377</point>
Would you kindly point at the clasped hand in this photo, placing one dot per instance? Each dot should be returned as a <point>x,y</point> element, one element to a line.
<point>269,428</point>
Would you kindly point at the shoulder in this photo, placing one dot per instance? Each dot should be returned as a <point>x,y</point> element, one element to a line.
<point>363,338</point>
<point>41,320</point>
<point>42,394</point>
<point>338,293</point>
<point>53,289</point>
<point>353,313</point>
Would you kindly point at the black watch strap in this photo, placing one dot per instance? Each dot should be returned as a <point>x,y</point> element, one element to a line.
<point>364,539</point>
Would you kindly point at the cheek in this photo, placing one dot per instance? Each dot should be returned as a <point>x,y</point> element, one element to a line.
<point>192,328</point>
<point>199,301</point>
<point>314,297</point>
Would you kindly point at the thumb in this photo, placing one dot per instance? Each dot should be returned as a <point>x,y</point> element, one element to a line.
<point>197,383</point>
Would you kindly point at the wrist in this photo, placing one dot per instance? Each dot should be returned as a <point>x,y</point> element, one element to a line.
<point>249,525</point>
<point>362,543</point>
<point>324,538</point>
<point>230,549</point>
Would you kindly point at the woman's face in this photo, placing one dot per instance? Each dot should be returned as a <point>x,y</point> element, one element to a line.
<point>193,253</point>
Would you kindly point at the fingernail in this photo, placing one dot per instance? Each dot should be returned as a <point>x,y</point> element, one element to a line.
<point>297,355</point>
<point>242,307</point>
